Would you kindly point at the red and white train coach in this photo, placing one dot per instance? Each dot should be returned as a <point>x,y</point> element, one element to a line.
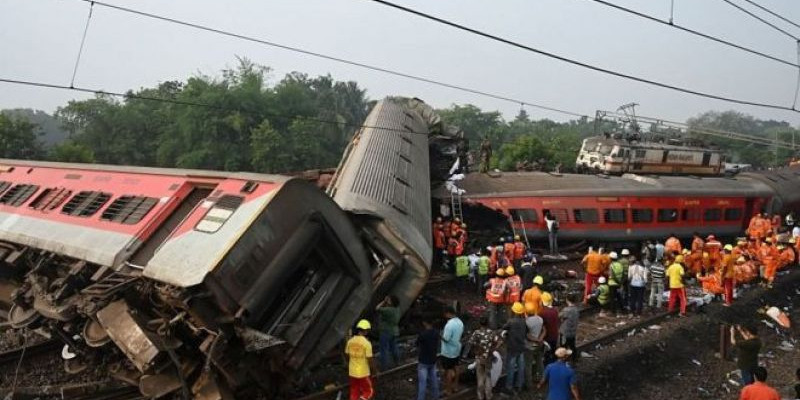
<point>619,208</point>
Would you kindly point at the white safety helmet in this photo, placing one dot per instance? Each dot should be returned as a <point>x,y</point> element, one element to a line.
<point>625,252</point>
<point>601,279</point>
<point>613,255</point>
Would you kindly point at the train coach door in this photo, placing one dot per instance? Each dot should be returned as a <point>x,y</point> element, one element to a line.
<point>706,159</point>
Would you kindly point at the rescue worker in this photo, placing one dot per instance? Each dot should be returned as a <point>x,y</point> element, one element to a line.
<point>728,273</point>
<point>513,286</point>
<point>754,227</point>
<point>601,297</point>
<point>549,315</point>
<point>519,251</point>
<point>593,264</point>
<point>527,272</point>
<point>673,245</point>
<point>454,247</point>
<point>439,240</point>
<point>677,291</point>
<point>516,336</point>
<point>496,296</point>
<point>714,249</point>
<point>361,364</point>
<point>740,249</point>
<point>625,261</point>
<point>786,256</point>
<point>462,266</point>
<point>615,279</point>
<point>775,223</point>
<point>533,296</point>
<point>694,260</point>
<point>483,270</point>
<point>455,226</point>
<point>494,257</point>
<point>711,283</point>
<point>464,235</point>
<point>508,250</point>
<point>769,256</point>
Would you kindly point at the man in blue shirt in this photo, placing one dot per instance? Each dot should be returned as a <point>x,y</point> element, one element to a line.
<point>451,350</point>
<point>560,378</point>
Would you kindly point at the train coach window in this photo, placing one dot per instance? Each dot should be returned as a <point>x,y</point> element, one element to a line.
<point>615,215</point>
<point>667,214</point>
<point>4,185</point>
<point>524,214</point>
<point>712,214</point>
<point>18,195</point>
<point>692,214</point>
<point>642,215</point>
<point>733,214</point>
<point>561,214</point>
<point>85,204</point>
<point>585,215</point>
<point>219,213</point>
<point>50,198</point>
<point>128,210</point>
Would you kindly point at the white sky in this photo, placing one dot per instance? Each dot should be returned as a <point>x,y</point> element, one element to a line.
<point>39,40</point>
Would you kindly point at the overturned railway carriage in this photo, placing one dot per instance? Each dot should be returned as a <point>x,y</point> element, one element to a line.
<point>630,207</point>
<point>207,281</point>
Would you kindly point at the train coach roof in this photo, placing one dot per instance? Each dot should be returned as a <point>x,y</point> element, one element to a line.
<point>508,184</point>
<point>191,173</point>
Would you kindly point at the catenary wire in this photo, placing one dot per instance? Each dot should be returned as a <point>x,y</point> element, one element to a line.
<point>580,63</point>
<point>696,33</point>
<point>337,59</point>
<point>773,26</point>
<point>784,19</point>
<point>83,42</point>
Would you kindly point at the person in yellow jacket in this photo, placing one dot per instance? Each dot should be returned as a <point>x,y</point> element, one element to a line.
<point>361,363</point>
<point>677,291</point>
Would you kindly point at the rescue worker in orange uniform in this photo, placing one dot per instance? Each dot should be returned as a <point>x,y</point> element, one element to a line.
<point>464,236</point>
<point>593,264</point>
<point>786,256</point>
<point>775,223</point>
<point>513,285</point>
<point>672,245</point>
<point>508,250</point>
<point>455,247</point>
<point>439,240</point>
<point>519,251</point>
<point>496,296</point>
<point>740,249</point>
<point>455,226</point>
<point>534,295</point>
<point>769,256</point>
<point>493,257</point>
<point>711,282</point>
<point>694,259</point>
<point>728,273</point>
<point>753,226</point>
<point>605,261</point>
<point>714,249</point>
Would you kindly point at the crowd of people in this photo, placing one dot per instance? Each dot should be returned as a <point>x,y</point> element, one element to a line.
<point>526,337</point>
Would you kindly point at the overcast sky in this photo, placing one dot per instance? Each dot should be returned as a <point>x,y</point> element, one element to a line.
<point>40,38</point>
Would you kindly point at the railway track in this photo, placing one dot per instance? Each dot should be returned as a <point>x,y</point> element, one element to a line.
<point>83,391</point>
<point>13,355</point>
<point>594,331</point>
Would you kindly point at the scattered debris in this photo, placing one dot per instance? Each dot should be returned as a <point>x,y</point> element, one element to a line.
<point>779,316</point>
<point>654,327</point>
<point>698,363</point>
<point>586,355</point>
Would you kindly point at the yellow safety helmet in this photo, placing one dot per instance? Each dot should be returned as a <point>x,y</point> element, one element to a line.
<point>509,270</point>
<point>685,251</point>
<point>705,254</point>
<point>740,259</point>
<point>768,240</point>
<point>364,325</point>
<point>792,241</point>
<point>500,272</point>
<point>679,258</point>
<point>781,247</point>
<point>728,247</point>
<point>530,308</point>
<point>547,299</point>
<point>741,243</point>
<point>517,308</point>
<point>538,280</point>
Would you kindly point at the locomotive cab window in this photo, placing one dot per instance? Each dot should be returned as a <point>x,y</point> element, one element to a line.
<point>712,214</point>
<point>615,215</point>
<point>585,215</point>
<point>18,195</point>
<point>85,204</point>
<point>219,213</point>
<point>524,214</point>
<point>733,214</point>
<point>667,214</point>
<point>642,215</point>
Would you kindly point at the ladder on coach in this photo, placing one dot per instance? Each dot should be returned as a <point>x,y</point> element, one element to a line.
<point>455,206</point>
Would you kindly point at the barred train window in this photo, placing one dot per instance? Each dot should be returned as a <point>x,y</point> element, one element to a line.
<point>733,214</point>
<point>525,214</point>
<point>50,199</point>
<point>129,209</point>
<point>585,215</point>
<point>667,214</point>
<point>3,186</point>
<point>219,213</point>
<point>712,214</point>
<point>615,215</point>
<point>85,204</point>
<point>642,215</point>
<point>18,195</point>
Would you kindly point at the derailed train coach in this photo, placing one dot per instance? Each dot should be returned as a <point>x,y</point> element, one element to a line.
<point>207,282</point>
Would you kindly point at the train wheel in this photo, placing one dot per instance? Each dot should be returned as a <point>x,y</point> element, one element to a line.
<point>19,317</point>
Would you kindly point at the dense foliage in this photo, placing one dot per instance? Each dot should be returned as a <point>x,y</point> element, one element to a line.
<point>239,121</point>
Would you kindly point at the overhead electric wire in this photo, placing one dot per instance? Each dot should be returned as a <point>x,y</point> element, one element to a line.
<point>773,26</point>
<point>784,19</point>
<point>576,62</point>
<point>336,59</point>
<point>696,33</point>
<point>83,42</point>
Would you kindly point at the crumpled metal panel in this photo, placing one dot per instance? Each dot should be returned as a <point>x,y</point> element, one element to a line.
<point>136,343</point>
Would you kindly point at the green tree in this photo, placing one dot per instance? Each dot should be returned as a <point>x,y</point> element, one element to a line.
<point>69,151</point>
<point>19,139</point>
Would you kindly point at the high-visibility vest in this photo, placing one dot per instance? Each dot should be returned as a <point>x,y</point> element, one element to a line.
<point>462,266</point>
<point>615,278</point>
<point>602,294</point>
<point>496,293</point>
<point>483,265</point>
<point>508,249</point>
<point>514,285</point>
